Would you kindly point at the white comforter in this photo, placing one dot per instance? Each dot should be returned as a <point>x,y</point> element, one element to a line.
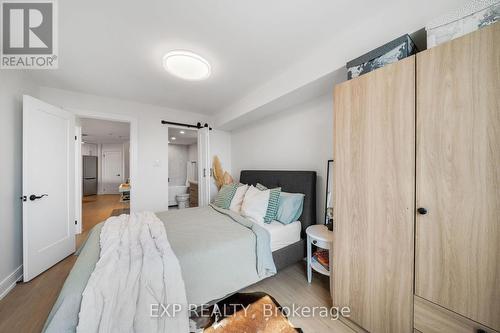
<point>136,271</point>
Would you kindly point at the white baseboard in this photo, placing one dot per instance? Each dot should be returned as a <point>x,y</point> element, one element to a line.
<point>10,281</point>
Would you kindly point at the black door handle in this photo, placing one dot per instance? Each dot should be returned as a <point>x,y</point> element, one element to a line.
<point>34,197</point>
<point>422,211</point>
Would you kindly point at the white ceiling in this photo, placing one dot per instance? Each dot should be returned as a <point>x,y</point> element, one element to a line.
<point>365,31</point>
<point>189,137</point>
<point>114,48</point>
<point>104,131</point>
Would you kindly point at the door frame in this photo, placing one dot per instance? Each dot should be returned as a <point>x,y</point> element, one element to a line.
<point>201,185</point>
<point>133,155</point>
<point>78,178</point>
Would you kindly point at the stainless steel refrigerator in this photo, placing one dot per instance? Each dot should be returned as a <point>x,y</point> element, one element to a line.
<point>89,175</point>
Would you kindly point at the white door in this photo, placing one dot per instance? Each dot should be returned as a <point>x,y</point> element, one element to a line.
<point>48,186</point>
<point>112,171</point>
<point>220,146</point>
<point>204,167</point>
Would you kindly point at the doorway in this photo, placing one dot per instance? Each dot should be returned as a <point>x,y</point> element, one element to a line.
<point>57,197</point>
<point>189,167</point>
<point>103,170</point>
<point>182,168</point>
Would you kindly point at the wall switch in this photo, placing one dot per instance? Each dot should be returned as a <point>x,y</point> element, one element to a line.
<point>157,163</point>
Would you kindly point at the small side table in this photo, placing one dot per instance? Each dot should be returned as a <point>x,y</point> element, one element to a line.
<point>319,236</point>
<point>124,190</point>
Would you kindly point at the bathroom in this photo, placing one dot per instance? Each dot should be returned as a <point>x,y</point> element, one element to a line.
<point>182,168</point>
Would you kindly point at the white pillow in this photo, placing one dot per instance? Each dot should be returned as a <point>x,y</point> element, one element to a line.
<point>237,200</point>
<point>255,203</point>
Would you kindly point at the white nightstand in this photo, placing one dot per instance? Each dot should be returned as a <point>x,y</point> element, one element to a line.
<point>319,236</point>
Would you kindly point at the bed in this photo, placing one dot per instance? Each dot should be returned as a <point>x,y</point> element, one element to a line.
<point>217,256</point>
<point>293,182</point>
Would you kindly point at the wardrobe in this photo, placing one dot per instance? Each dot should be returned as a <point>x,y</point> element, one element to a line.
<point>417,191</point>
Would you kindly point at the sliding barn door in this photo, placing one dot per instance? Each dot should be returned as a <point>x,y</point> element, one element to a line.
<point>204,165</point>
<point>374,130</point>
<point>458,176</point>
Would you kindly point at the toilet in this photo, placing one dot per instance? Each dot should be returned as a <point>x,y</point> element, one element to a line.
<point>182,200</point>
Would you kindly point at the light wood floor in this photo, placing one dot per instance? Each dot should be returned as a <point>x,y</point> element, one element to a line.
<point>27,306</point>
<point>97,208</point>
<point>290,287</point>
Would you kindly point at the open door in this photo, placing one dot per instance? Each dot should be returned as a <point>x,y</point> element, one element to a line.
<point>204,167</point>
<point>48,186</point>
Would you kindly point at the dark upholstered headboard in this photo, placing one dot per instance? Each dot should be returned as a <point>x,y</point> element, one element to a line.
<point>289,181</point>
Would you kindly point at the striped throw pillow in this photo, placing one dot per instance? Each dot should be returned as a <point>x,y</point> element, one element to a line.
<point>225,195</point>
<point>274,200</point>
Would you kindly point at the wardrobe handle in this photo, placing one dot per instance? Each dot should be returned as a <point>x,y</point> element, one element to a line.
<point>422,211</point>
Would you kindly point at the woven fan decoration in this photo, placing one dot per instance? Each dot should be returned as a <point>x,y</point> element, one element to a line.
<point>221,177</point>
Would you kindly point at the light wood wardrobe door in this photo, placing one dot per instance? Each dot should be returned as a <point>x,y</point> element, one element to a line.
<point>374,130</point>
<point>458,176</point>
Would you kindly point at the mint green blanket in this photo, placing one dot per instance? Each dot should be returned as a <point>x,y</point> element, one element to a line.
<point>219,251</point>
<point>265,262</point>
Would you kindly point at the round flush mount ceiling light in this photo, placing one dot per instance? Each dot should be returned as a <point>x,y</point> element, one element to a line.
<point>186,65</point>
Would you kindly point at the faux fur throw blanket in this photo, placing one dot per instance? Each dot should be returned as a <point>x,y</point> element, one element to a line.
<point>137,276</point>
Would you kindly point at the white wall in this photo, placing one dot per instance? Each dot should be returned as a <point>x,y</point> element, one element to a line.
<point>193,152</point>
<point>177,164</point>
<point>126,160</point>
<point>193,157</point>
<point>149,189</point>
<point>13,84</point>
<point>299,138</point>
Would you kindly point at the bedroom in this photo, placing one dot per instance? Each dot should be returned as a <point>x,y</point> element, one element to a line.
<point>266,89</point>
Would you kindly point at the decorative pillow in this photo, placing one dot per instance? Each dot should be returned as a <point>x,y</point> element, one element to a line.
<point>261,187</point>
<point>235,205</point>
<point>225,195</point>
<point>272,207</point>
<point>290,207</point>
<point>255,203</point>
